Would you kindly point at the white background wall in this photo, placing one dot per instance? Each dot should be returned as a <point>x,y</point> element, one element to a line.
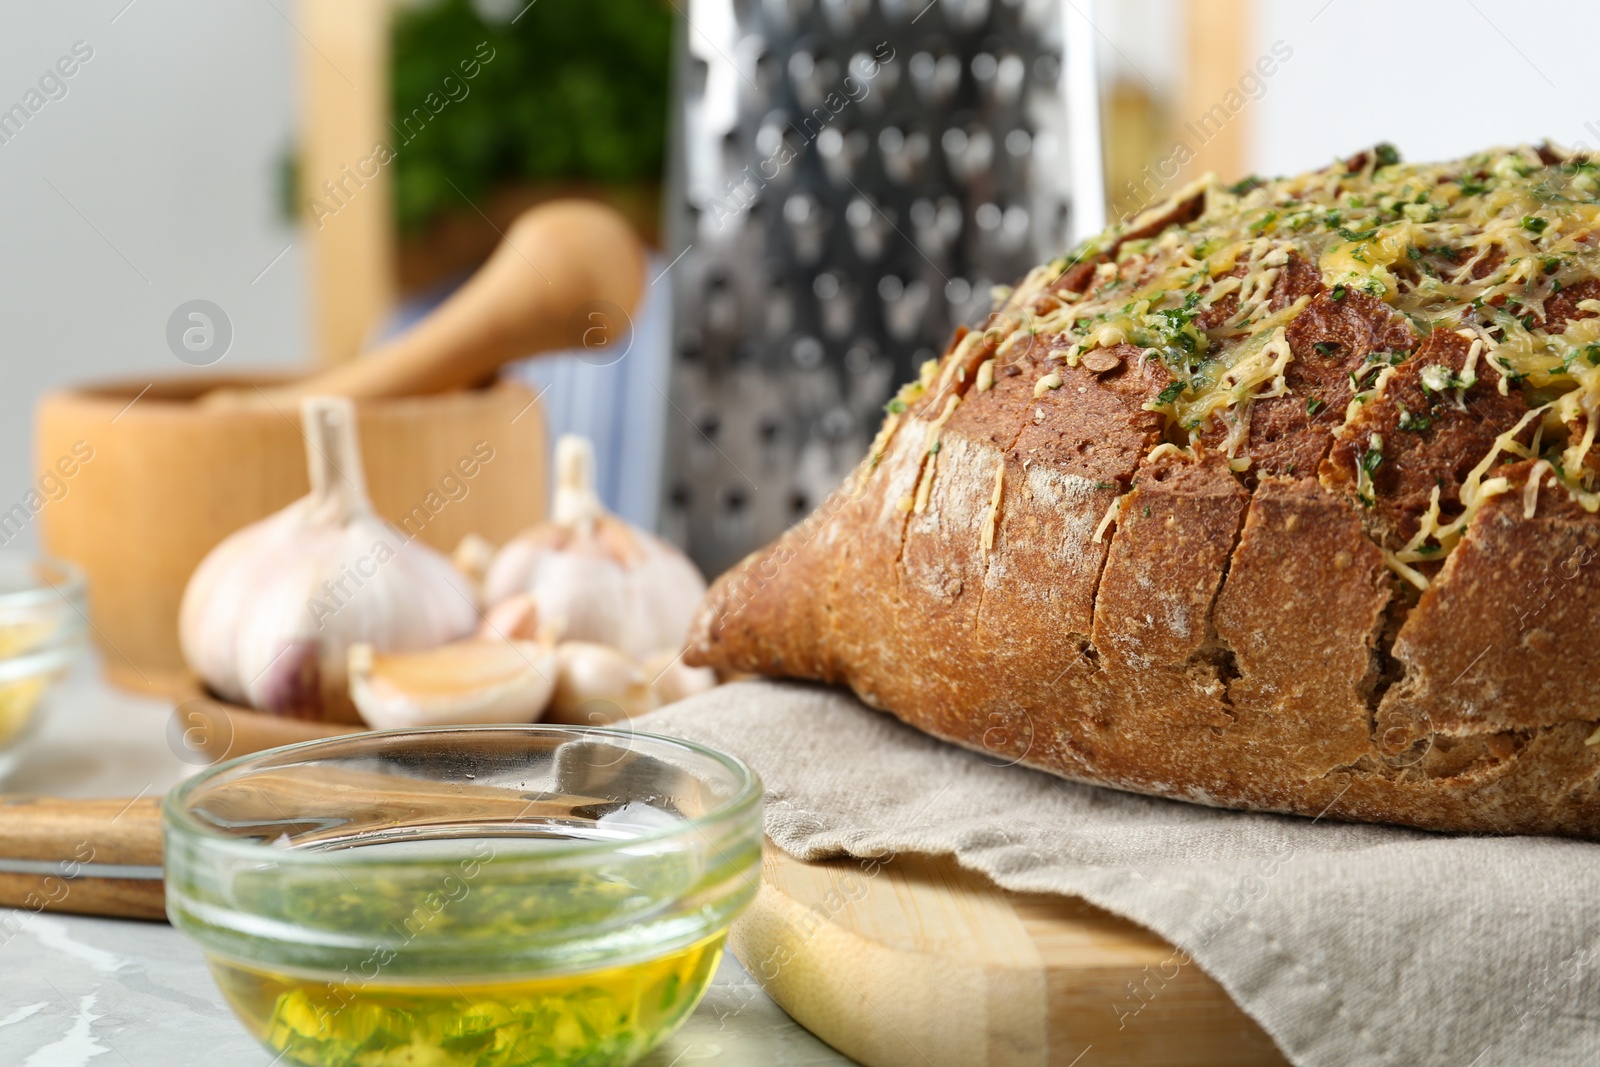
<point>166,143</point>
<point>1438,78</point>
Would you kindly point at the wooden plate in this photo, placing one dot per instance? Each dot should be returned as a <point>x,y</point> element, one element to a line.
<point>916,961</point>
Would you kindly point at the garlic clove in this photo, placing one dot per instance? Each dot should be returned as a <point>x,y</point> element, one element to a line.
<point>471,681</point>
<point>514,618</point>
<point>596,685</point>
<point>672,680</point>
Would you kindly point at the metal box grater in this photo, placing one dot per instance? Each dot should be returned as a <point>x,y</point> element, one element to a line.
<point>850,179</point>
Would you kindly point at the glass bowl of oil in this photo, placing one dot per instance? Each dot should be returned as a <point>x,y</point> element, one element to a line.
<point>43,619</point>
<point>490,896</point>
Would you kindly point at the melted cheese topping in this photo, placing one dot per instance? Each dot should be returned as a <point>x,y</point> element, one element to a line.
<point>991,521</point>
<point>1413,235</point>
<point>1479,245</point>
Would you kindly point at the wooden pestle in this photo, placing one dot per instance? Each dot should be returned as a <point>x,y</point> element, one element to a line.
<point>567,274</point>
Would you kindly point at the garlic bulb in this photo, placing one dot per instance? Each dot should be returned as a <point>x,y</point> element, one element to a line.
<point>471,681</point>
<point>591,576</point>
<point>270,614</point>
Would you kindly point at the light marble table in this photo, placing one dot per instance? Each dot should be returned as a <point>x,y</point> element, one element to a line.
<point>76,991</point>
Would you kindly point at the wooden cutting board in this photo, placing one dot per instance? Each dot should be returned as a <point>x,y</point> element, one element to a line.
<point>918,962</point>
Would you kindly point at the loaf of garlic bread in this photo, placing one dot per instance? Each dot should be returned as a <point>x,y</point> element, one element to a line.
<point>1280,496</point>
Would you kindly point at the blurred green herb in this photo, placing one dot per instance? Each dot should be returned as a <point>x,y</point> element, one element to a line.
<point>575,91</point>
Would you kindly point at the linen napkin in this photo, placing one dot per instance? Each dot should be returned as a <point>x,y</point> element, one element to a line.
<point>1349,944</point>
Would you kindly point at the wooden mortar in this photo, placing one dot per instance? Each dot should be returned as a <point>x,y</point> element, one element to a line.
<point>148,476</point>
<point>166,479</point>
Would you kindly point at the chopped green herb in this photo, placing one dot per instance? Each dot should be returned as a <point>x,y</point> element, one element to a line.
<point>933,449</point>
<point>1534,224</point>
<point>1179,317</point>
<point>1338,292</point>
<point>1414,421</point>
<point>1147,511</point>
<point>895,406</point>
<point>1326,348</point>
<point>1387,154</point>
<point>1263,222</point>
<point>1369,461</point>
<point>1315,404</point>
<point>1171,392</point>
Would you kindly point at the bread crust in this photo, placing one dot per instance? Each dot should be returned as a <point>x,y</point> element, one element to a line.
<point>1030,573</point>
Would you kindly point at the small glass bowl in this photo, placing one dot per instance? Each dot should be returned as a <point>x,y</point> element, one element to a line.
<point>484,896</point>
<point>43,616</point>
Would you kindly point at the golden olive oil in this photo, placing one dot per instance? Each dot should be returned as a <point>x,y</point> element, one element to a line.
<point>592,1018</point>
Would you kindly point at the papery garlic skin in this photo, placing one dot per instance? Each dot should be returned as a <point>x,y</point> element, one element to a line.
<point>270,614</point>
<point>593,577</point>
